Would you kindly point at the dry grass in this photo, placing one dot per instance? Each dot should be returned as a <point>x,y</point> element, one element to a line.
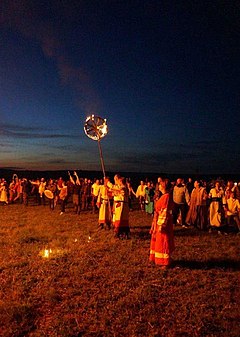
<point>106,287</point>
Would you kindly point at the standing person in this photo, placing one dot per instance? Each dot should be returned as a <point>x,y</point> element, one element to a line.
<point>232,209</point>
<point>52,186</point>
<point>18,189</point>
<point>4,192</point>
<point>103,203</point>
<point>59,187</point>
<point>34,189</point>
<point>197,214</point>
<point>120,207</point>
<point>162,239</point>
<point>181,201</point>
<point>89,194</point>
<point>192,212</point>
<point>95,191</point>
<point>76,192</point>
<point>26,189</point>
<point>216,195</point>
<point>202,210</point>
<point>131,193</point>
<point>41,189</point>
<point>12,191</point>
<point>157,192</point>
<point>63,197</point>
<point>229,188</point>
<point>140,194</point>
<point>85,194</point>
<point>237,190</point>
<point>149,196</point>
<point>190,185</point>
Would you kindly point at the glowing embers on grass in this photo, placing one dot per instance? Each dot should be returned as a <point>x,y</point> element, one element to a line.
<point>52,253</point>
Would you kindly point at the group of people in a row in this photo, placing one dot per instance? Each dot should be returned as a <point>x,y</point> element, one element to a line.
<point>51,192</point>
<point>205,206</point>
<point>194,203</point>
<point>213,207</point>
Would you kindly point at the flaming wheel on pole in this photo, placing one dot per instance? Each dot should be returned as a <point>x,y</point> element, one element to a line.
<point>96,128</point>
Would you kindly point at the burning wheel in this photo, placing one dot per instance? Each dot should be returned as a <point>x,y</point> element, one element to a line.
<point>95,127</point>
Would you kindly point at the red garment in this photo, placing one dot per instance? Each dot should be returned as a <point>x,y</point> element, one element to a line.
<point>162,240</point>
<point>60,182</point>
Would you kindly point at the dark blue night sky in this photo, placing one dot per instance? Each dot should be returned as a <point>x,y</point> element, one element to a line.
<point>165,75</point>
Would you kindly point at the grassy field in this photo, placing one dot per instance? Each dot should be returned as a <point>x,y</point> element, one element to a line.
<point>94,285</point>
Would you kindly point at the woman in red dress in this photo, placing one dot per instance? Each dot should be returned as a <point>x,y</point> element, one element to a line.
<point>162,241</point>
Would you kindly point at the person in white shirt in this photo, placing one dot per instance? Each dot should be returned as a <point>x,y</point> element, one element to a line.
<point>140,194</point>
<point>181,201</point>
<point>95,191</point>
<point>63,197</point>
<point>232,210</point>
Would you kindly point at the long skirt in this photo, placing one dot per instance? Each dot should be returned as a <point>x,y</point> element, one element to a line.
<point>215,216</point>
<point>105,213</point>
<point>149,207</point>
<point>3,196</point>
<point>162,247</point>
<point>121,218</point>
<point>202,217</point>
<point>191,215</point>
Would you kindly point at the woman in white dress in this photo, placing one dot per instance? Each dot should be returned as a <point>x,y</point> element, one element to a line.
<point>216,207</point>
<point>3,192</point>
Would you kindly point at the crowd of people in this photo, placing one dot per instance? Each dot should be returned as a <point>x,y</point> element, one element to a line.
<point>208,206</point>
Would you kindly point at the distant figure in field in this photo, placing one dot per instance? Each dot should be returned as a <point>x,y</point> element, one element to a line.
<point>162,240</point>
<point>41,190</point>
<point>26,189</point>
<point>181,201</point>
<point>95,191</point>
<point>3,192</point>
<point>197,214</point>
<point>76,192</point>
<point>216,195</point>
<point>86,194</point>
<point>131,193</point>
<point>190,185</point>
<point>202,209</point>
<point>149,198</point>
<point>63,197</point>
<point>52,186</point>
<point>18,190</point>
<point>12,190</point>
<point>140,194</point>
<point>232,210</point>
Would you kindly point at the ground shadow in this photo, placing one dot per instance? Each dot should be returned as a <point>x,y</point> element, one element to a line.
<point>141,227</point>
<point>227,264</point>
<point>192,231</point>
<point>140,232</point>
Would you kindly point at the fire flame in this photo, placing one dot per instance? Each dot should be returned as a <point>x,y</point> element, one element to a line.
<point>95,127</point>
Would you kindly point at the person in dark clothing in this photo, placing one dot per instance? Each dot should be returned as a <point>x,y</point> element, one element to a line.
<point>76,192</point>
<point>52,186</point>
<point>86,194</point>
<point>190,185</point>
<point>26,190</point>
